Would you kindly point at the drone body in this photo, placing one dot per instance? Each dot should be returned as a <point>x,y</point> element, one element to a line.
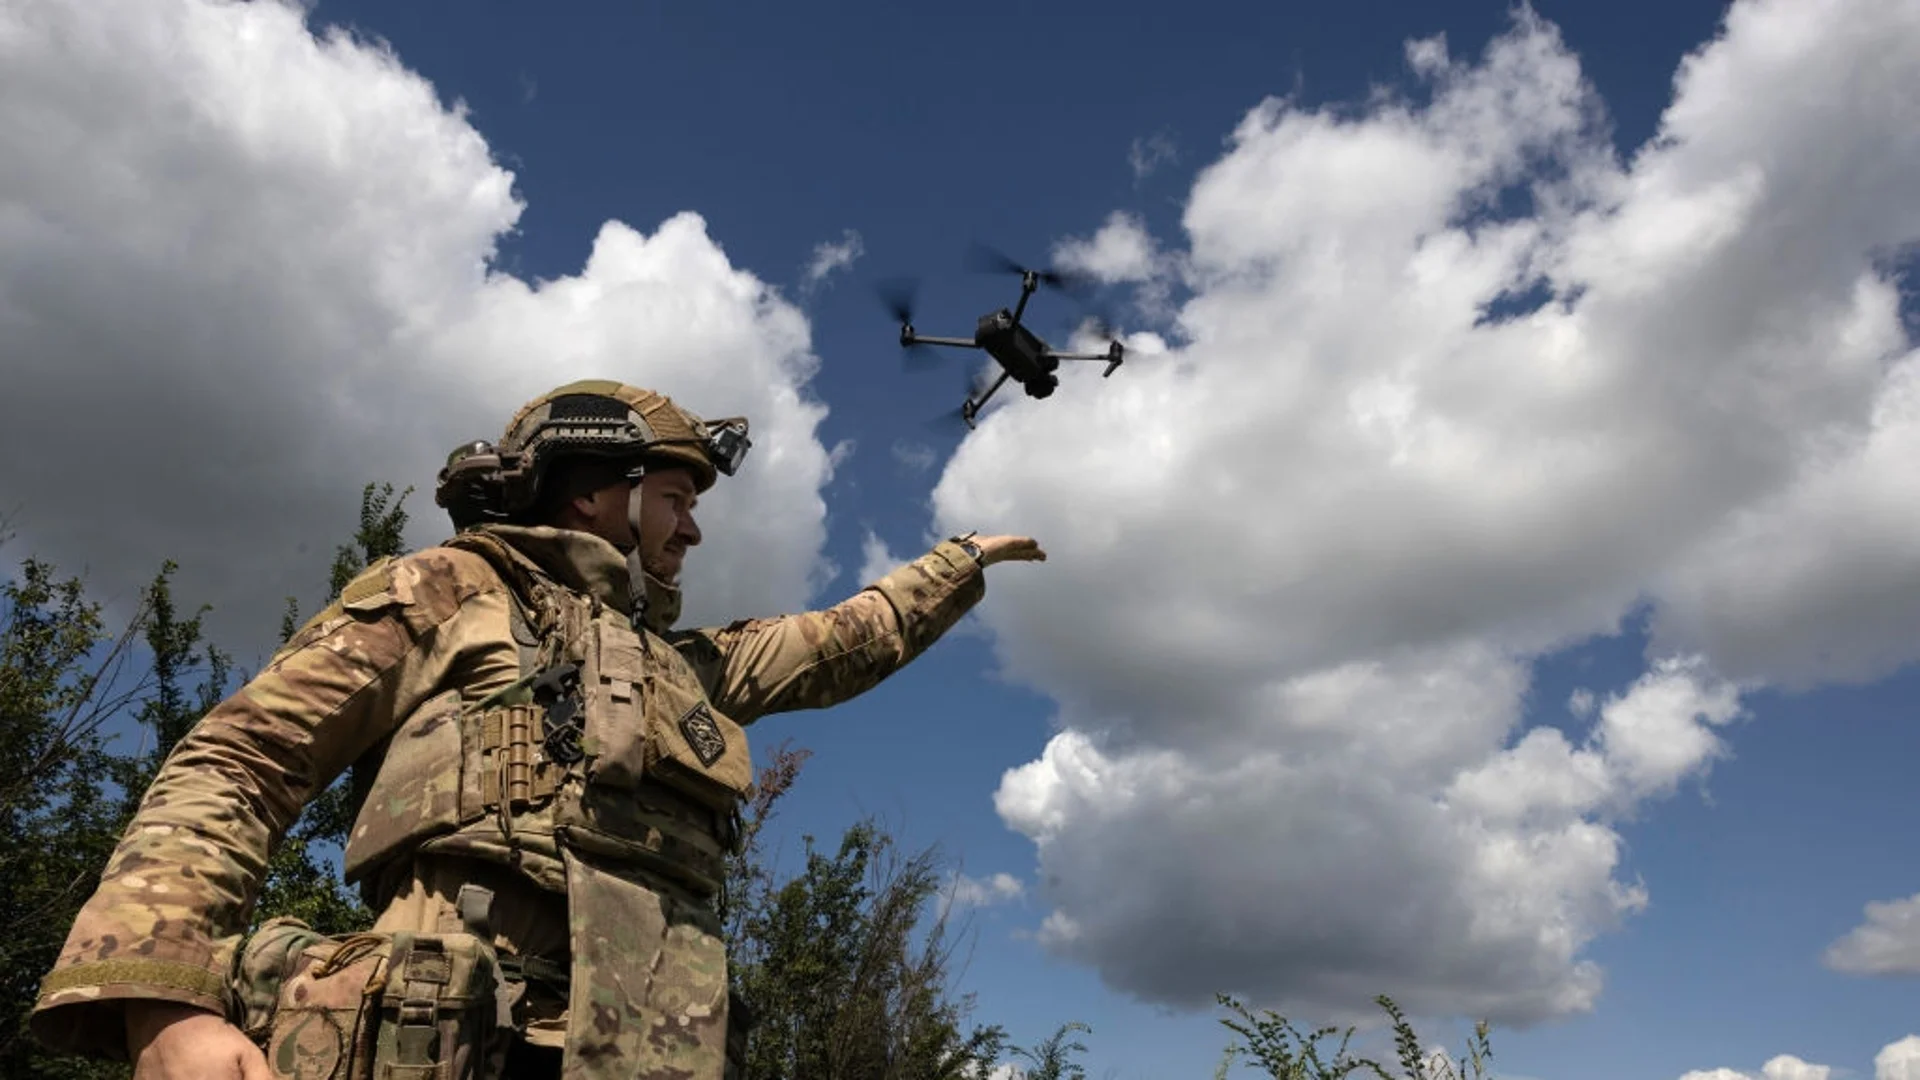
<point>1019,350</point>
<point>1022,355</point>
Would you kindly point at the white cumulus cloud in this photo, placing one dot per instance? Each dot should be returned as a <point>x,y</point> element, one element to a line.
<point>247,265</point>
<point>977,892</point>
<point>1120,251</point>
<point>964,892</point>
<point>1783,1067</point>
<point>876,559</point>
<point>1887,943</point>
<point>1149,152</point>
<point>1898,1060</point>
<point>832,256</point>
<point>912,455</point>
<point>1788,1067</point>
<point>1303,560</point>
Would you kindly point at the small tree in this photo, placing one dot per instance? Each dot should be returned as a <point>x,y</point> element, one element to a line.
<point>176,648</point>
<point>1436,1066</point>
<point>1053,1058</point>
<point>834,965</point>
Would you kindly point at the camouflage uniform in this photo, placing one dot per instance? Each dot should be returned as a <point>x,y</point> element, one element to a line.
<point>607,868</point>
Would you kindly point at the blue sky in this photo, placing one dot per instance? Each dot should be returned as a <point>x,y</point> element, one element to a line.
<point>922,131</point>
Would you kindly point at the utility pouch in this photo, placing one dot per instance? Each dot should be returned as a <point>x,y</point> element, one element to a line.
<point>677,739</point>
<point>647,989</point>
<point>397,1006</point>
<point>439,1017</point>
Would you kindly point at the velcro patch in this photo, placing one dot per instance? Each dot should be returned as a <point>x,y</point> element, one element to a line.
<point>703,734</point>
<point>373,588</point>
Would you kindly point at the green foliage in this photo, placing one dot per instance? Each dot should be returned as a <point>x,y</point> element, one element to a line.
<point>1053,1058</point>
<point>1280,1050</point>
<point>69,798</point>
<point>840,975</point>
<point>168,709</point>
<point>1470,1066</point>
<point>58,667</point>
<point>66,796</point>
<point>383,521</point>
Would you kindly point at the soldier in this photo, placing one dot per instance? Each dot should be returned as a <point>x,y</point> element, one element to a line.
<point>555,771</point>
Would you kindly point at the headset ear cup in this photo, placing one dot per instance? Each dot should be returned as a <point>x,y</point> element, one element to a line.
<point>470,488</point>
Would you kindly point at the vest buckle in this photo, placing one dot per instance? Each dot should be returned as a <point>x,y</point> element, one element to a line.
<point>558,690</point>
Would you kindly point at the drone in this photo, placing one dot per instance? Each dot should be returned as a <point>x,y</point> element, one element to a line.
<point>1021,354</point>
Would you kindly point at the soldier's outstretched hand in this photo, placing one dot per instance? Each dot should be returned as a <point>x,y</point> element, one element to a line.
<point>995,549</point>
<point>179,1042</point>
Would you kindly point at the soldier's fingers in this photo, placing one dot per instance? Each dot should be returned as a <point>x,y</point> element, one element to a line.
<point>992,548</point>
<point>253,1064</point>
<point>1003,548</point>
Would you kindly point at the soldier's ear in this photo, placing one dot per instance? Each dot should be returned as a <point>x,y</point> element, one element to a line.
<point>596,504</point>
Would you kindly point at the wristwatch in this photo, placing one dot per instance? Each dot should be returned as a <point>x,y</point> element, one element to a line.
<point>967,545</point>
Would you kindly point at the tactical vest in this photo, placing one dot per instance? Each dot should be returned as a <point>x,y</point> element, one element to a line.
<point>607,742</point>
<point>602,772</point>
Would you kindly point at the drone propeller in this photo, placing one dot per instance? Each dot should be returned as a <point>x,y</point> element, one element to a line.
<point>1097,325</point>
<point>956,419</point>
<point>989,260</point>
<point>898,294</point>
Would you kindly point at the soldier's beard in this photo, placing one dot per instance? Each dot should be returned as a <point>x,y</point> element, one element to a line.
<point>659,569</point>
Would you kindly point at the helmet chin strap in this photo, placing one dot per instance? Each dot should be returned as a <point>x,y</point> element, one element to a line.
<point>636,573</point>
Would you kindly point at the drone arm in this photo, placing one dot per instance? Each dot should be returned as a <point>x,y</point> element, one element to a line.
<point>972,407</point>
<point>919,339</point>
<point>1114,354</point>
<point>1028,282</point>
<point>990,390</point>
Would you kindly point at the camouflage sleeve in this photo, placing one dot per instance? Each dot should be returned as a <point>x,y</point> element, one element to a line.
<point>176,894</point>
<point>820,658</point>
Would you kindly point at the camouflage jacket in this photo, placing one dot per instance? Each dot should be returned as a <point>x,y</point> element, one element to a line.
<point>176,896</point>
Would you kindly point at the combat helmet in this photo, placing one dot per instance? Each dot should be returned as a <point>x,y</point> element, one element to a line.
<point>591,418</point>
<point>594,418</point>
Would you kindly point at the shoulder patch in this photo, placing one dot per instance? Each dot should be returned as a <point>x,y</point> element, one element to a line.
<point>372,589</point>
<point>691,643</point>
